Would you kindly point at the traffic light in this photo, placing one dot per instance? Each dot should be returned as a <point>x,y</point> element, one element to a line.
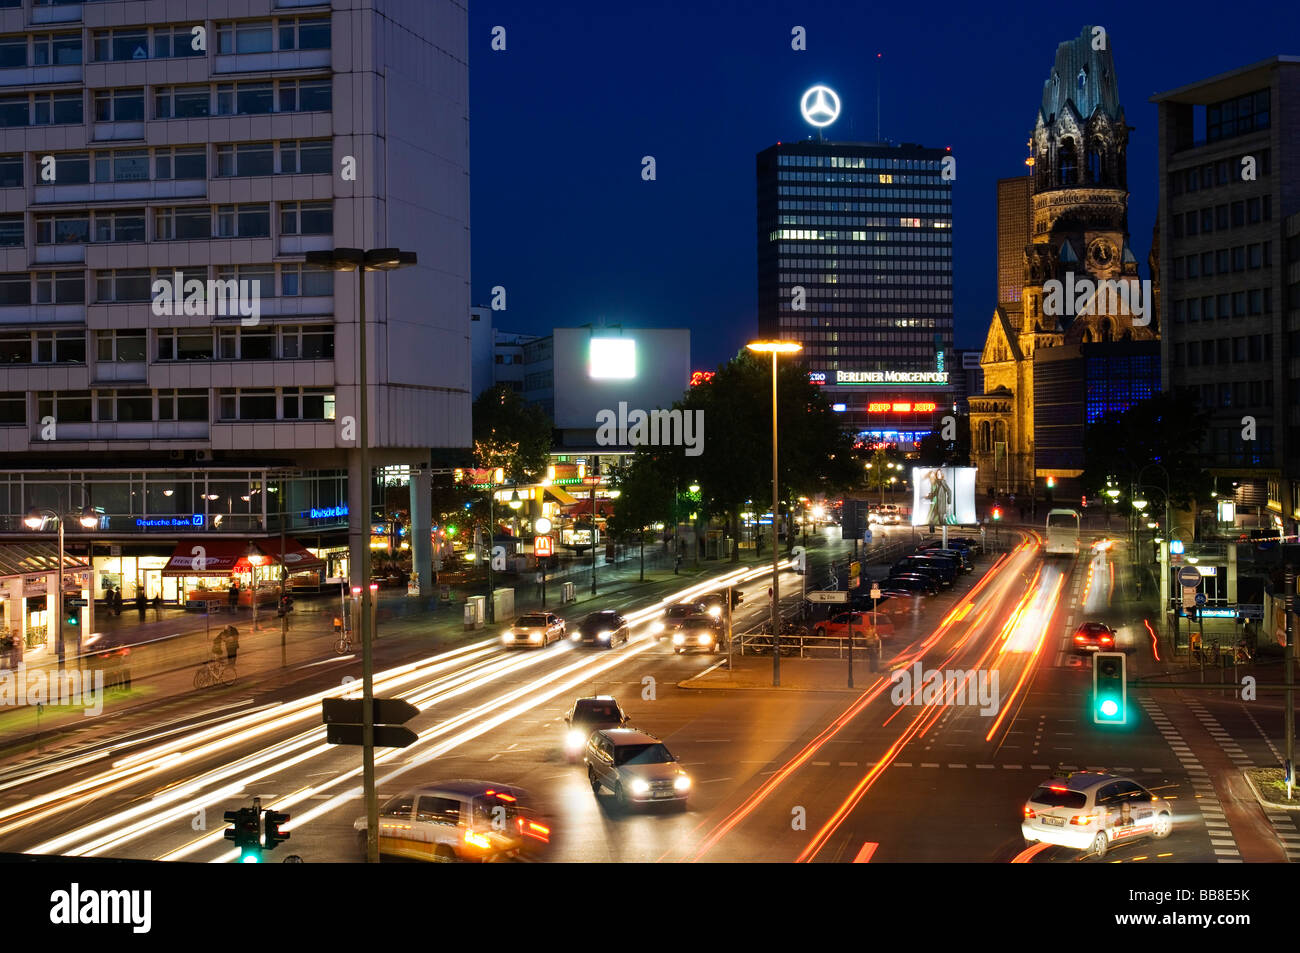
<point>997,512</point>
<point>245,834</point>
<point>1109,689</point>
<point>1051,482</point>
<point>273,835</point>
<point>72,617</point>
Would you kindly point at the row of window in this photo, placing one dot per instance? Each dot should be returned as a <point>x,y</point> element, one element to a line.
<point>904,255</point>
<point>1246,394</point>
<point>1221,217</point>
<point>170,102</point>
<point>116,285</point>
<point>856,162</point>
<point>859,263</point>
<point>862,278</point>
<point>1220,173</point>
<point>868,221</point>
<point>1238,304</point>
<point>142,406</point>
<point>170,224</point>
<point>932,193</point>
<point>41,49</point>
<point>823,293</point>
<point>855,325</point>
<point>1247,349</point>
<point>306,342</point>
<point>1238,116</point>
<point>879,352</point>
<point>924,208</point>
<point>876,308</point>
<point>823,235</point>
<point>1224,261</point>
<point>858,178</point>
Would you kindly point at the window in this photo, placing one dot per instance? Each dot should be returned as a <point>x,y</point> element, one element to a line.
<point>13,407</point>
<point>184,344</point>
<point>1207,221</point>
<point>246,404</point>
<point>62,347</point>
<point>307,156</point>
<point>1223,306</point>
<point>181,163</point>
<point>307,218</point>
<point>120,346</point>
<point>260,278</point>
<point>1254,259</point>
<point>1238,214</point>
<point>13,290</point>
<point>1193,266</point>
<point>172,41</point>
<point>1237,116</point>
<point>1239,349</point>
<point>60,287</point>
<point>305,33</point>
<point>179,224</point>
<point>124,406</point>
<point>11,171</point>
<point>438,810</point>
<point>300,280</point>
<point>245,159</point>
<point>308,403</point>
<point>308,95</point>
<point>121,165</point>
<point>181,102</point>
<point>129,44</point>
<point>12,231</point>
<point>1239,258</point>
<point>307,342</point>
<point>1252,210</point>
<point>122,284</point>
<point>1222,260</point>
<point>1221,217</point>
<point>250,37</point>
<point>1190,230</point>
<point>69,406</point>
<point>14,111</point>
<point>119,105</point>
<point>120,225</point>
<point>56,49</point>
<point>1238,304</point>
<point>1207,264</point>
<point>57,109</point>
<point>183,405</point>
<point>244,99</point>
<point>13,52</point>
<point>244,221</point>
<point>15,347</point>
<point>257,344</point>
<point>66,228</point>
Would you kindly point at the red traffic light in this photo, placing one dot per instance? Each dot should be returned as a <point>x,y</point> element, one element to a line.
<point>272,834</point>
<point>997,512</point>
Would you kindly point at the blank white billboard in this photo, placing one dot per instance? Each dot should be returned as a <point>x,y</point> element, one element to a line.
<point>597,368</point>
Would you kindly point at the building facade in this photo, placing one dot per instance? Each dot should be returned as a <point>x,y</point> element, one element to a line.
<point>855,263</point>
<point>1229,207</point>
<point>1080,281</point>
<point>169,360</point>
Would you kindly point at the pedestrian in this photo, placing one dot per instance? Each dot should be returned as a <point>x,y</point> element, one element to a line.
<point>157,607</point>
<point>232,597</point>
<point>677,565</point>
<point>140,603</point>
<point>117,601</point>
<point>231,635</point>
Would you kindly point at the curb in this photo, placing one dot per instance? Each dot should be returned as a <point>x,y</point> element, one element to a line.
<point>1264,802</point>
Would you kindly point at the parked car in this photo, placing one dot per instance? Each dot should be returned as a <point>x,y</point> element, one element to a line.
<point>930,583</point>
<point>838,626</point>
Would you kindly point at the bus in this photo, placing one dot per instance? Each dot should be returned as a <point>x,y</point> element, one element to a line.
<point>1062,533</point>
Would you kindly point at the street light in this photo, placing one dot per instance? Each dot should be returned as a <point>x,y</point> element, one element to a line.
<point>34,520</point>
<point>255,558</point>
<point>774,348</point>
<point>363,260</point>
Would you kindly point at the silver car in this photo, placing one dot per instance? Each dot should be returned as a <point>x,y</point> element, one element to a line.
<point>1092,811</point>
<point>636,766</point>
<point>536,629</point>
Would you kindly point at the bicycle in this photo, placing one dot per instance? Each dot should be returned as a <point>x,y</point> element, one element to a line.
<point>213,672</point>
<point>344,645</point>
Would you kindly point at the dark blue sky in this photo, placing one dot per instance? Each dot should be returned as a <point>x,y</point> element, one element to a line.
<point>559,122</point>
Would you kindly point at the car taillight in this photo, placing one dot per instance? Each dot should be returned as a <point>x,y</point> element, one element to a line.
<point>1080,638</point>
<point>1082,819</point>
<point>1107,638</point>
<point>1030,812</point>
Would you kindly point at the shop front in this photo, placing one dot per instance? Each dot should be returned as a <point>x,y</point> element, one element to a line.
<point>206,570</point>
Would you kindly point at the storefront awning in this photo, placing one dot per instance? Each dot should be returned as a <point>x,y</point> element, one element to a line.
<point>20,559</point>
<point>297,558</point>
<point>561,495</point>
<point>583,508</point>
<point>214,557</point>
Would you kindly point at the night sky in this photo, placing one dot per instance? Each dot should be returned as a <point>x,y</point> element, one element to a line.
<point>559,123</point>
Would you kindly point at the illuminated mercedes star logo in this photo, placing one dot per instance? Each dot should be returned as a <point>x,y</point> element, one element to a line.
<point>820,106</point>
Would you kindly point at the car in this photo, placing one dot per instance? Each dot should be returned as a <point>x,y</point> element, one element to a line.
<point>963,559</point>
<point>971,542</point>
<point>1090,810</point>
<point>1094,637</point>
<point>939,566</point>
<point>838,626</point>
<point>890,513</point>
<point>458,820</point>
<point>537,629</point>
<point>602,629</point>
<point>929,582</point>
<point>902,587</point>
<point>110,656</point>
<point>702,633</point>
<point>715,603</point>
<point>635,766</point>
<point>588,715</point>
<point>667,624</point>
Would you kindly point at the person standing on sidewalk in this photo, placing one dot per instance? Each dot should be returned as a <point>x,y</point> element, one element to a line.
<point>233,596</point>
<point>117,601</point>
<point>140,604</point>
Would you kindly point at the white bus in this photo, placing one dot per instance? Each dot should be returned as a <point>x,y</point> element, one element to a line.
<point>1062,533</point>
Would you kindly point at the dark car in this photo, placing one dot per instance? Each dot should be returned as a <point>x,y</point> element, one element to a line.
<point>903,586</point>
<point>603,629</point>
<point>715,603</point>
<point>943,570</point>
<point>962,557</point>
<point>588,715</point>
<point>675,615</point>
<point>930,584</point>
<point>1094,637</point>
<point>970,542</point>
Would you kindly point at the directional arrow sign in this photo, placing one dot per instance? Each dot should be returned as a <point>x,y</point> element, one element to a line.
<point>348,711</point>
<point>386,736</point>
<point>74,602</point>
<point>830,595</point>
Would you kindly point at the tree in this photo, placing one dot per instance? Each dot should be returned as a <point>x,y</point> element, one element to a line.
<point>511,434</point>
<point>645,487</point>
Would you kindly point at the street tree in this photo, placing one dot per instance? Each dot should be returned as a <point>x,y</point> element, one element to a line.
<point>512,434</point>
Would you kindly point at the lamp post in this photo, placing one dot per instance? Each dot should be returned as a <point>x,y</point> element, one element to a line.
<point>774,348</point>
<point>35,520</point>
<point>694,488</point>
<point>255,558</point>
<point>363,260</point>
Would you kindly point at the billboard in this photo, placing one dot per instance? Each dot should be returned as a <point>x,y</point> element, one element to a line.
<point>943,495</point>
<point>596,369</point>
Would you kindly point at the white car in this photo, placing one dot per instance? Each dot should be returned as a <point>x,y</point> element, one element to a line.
<point>636,766</point>
<point>536,629</point>
<point>1090,811</point>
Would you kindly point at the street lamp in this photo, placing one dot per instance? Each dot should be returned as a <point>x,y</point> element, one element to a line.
<point>363,260</point>
<point>255,558</point>
<point>34,520</point>
<point>774,348</point>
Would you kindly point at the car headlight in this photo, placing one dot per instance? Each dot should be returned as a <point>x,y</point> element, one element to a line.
<point>577,636</point>
<point>605,636</point>
<point>683,783</point>
<point>574,739</point>
<point>638,786</point>
<point>715,611</point>
<point>678,638</point>
<point>657,627</point>
<point>535,637</point>
<point>705,639</point>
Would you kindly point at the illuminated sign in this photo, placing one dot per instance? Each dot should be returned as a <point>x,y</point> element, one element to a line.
<point>817,377</point>
<point>701,377</point>
<point>612,359</point>
<point>900,407</point>
<point>195,519</point>
<point>543,546</point>
<point>327,512</point>
<point>820,106</point>
<point>891,377</point>
<point>839,408</point>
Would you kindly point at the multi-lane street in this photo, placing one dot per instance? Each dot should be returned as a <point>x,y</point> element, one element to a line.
<point>808,772</point>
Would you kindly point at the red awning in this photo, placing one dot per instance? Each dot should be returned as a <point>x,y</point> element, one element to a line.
<point>297,558</point>
<point>217,557</point>
<point>583,508</point>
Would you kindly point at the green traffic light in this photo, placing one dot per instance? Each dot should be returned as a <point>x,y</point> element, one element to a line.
<point>1110,708</point>
<point>250,856</point>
